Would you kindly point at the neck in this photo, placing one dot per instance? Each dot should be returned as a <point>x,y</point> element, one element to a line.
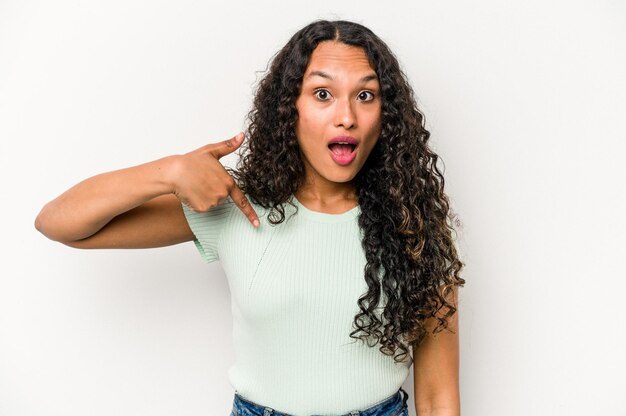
<point>338,197</point>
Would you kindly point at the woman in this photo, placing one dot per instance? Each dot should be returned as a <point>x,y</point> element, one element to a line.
<point>333,232</point>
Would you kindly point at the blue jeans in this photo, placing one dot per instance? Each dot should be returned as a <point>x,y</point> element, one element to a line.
<point>393,406</point>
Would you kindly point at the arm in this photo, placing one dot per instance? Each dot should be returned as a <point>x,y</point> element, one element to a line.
<point>436,369</point>
<point>140,206</point>
<point>127,208</point>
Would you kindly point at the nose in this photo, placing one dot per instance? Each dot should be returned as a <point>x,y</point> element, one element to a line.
<point>344,114</point>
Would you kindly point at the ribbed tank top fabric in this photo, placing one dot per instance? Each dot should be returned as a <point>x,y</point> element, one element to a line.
<point>294,291</point>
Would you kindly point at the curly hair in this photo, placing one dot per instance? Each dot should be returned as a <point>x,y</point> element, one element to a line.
<point>407,236</point>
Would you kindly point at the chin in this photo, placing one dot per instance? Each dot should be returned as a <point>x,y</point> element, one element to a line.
<point>347,177</point>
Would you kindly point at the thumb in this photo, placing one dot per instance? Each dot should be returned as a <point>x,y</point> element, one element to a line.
<point>227,146</point>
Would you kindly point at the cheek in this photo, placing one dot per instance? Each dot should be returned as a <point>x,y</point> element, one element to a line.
<point>305,124</point>
<point>302,120</point>
<point>376,124</point>
<point>379,127</point>
<point>310,118</point>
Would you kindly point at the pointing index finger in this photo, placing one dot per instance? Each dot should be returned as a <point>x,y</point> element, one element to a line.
<point>244,205</point>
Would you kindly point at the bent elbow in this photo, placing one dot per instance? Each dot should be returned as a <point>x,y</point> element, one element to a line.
<point>41,224</point>
<point>45,226</point>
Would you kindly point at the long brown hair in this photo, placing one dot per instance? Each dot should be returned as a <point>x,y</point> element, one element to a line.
<point>412,261</point>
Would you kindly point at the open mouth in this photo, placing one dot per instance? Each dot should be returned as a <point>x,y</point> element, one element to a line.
<point>342,154</point>
<point>341,149</point>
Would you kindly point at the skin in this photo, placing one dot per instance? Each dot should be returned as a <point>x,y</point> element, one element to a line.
<point>340,96</point>
<point>139,207</point>
<point>436,368</point>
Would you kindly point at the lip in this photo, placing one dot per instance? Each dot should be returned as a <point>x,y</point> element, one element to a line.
<point>347,139</point>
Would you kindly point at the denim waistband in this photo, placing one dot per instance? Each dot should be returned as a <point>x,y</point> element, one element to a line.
<point>388,407</point>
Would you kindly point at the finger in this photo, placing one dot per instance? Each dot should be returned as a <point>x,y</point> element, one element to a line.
<point>244,205</point>
<point>225,147</point>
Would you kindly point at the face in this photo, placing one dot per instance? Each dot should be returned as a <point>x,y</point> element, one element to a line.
<point>339,98</point>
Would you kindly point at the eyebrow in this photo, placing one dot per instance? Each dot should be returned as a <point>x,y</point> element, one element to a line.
<point>322,74</point>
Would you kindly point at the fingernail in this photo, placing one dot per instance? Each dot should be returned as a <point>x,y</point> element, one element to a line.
<point>256,223</point>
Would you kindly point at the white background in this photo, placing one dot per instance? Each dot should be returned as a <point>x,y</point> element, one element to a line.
<point>526,105</point>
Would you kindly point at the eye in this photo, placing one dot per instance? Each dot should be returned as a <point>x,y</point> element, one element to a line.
<point>366,96</point>
<point>322,95</point>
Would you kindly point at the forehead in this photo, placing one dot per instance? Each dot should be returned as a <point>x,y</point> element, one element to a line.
<point>334,57</point>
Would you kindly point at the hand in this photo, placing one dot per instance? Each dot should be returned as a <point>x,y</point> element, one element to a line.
<point>200,181</point>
